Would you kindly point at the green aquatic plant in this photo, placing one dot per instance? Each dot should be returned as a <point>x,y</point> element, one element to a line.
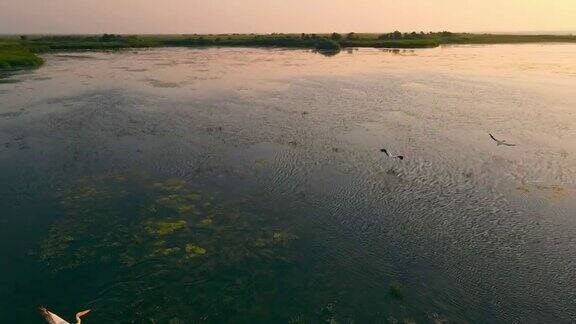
<point>280,237</point>
<point>259,242</point>
<point>555,192</point>
<point>130,225</point>
<point>81,193</point>
<point>206,221</point>
<point>165,251</point>
<point>118,215</point>
<point>164,228</point>
<point>15,57</point>
<point>185,208</point>
<point>181,202</point>
<point>395,290</point>
<point>260,162</point>
<point>194,250</point>
<point>298,319</point>
<point>170,185</point>
<point>55,245</point>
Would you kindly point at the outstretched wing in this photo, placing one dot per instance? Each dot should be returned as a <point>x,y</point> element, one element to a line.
<point>500,142</point>
<point>385,152</point>
<point>51,318</point>
<point>82,313</point>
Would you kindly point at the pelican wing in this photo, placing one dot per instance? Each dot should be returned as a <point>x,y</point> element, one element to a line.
<point>52,318</point>
<point>80,314</point>
<point>494,138</point>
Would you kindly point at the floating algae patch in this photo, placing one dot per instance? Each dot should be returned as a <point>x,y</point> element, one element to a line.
<point>136,70</point>
<point>162,84</point>
<point>165,228</point>
<point>194,250</point>
<point>216,263</point>
<point>554,192</point>
<point>182,203</point>
<point>218,254</point>
<point>395,290</point>
<point>168,251</point>
<point>260,162</point>
<point>170,185</point>
<point>281,237</point>
<point>206,221</point>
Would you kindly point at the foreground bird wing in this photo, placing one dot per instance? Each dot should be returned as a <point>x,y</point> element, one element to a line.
<point>80,314</point>
<point>494,138</point>
<point>51,317</point>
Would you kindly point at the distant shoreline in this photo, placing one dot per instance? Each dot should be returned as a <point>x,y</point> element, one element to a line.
<point>21,51</point>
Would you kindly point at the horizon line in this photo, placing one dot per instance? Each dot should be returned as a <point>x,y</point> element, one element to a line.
<point>518,32</point>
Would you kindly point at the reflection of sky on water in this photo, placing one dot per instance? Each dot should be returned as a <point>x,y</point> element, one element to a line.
<point>302,132</point>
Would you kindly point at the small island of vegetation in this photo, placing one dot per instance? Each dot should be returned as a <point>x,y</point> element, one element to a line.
<point>18,58</point>
<point>18,52</point>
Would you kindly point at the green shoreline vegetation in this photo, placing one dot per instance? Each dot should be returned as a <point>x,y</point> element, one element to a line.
<point>18,52</point>
<point>18,58</point>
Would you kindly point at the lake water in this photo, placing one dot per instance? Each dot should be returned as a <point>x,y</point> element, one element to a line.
<point>247,186</point>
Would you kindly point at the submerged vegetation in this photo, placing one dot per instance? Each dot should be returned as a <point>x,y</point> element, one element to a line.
<point>132,219</point>
<point>395,290</point>
<point>121,222</point>
<point>19,52</point>
<point>554,192</point>
<point>168,254</point>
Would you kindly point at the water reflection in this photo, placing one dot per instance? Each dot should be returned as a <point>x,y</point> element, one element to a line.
<point>264,195</point>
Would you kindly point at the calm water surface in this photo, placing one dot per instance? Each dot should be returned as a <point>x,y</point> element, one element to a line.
<point>247,186</point>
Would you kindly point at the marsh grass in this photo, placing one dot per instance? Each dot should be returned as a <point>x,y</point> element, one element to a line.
<point>13,58</point>
<point>21,52</point>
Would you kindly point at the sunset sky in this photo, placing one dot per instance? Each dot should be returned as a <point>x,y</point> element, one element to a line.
<point>265,16</point>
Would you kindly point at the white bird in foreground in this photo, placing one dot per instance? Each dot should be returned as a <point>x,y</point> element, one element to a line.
<point>500,142</point>
<point>400,157</point>
<point>55,319</point>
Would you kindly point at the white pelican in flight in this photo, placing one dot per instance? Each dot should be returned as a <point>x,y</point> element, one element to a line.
<point>55,319</point>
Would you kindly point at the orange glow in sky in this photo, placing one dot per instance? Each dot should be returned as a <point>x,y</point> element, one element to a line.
<point>265,16</point>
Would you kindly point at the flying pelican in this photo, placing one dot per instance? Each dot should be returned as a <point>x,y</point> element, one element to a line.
<point>500,142</point>
<point>55,319</point>
<point>400,157</point>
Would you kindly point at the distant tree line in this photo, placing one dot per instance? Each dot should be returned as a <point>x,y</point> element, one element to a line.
<point>110,38</point>
<point>397,35</point>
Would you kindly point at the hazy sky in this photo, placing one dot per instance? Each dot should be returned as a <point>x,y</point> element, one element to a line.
<point>245,16</point>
